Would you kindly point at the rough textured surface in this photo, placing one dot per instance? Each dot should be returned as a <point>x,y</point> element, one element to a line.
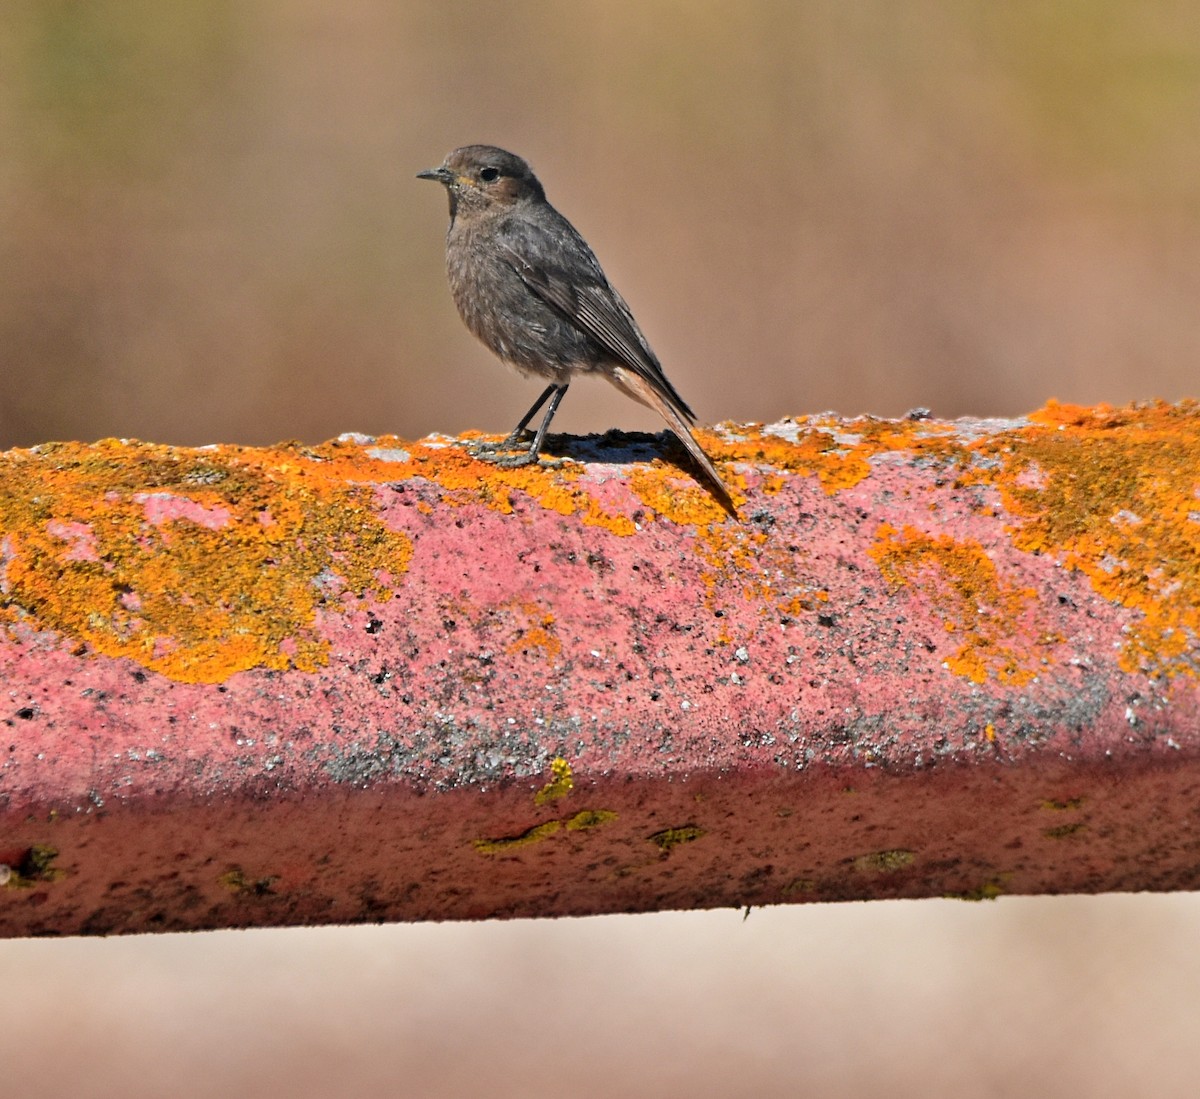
<point>379,680</point>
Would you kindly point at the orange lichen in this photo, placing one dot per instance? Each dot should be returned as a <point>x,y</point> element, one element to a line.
<point>534,629</point>
<point>194,563</point>
<point>1111,492</point>
<point>976,605</point>
<point>673,497</point>
<point>467,480</point>
<point>669,487</point>
<point>201,563</point>
<point>816,452</point>
<point>1115,494</point>
<point>774,575</point>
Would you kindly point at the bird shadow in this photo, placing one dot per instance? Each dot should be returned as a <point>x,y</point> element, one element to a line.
<point>615,447</point>
<point>618,448</point>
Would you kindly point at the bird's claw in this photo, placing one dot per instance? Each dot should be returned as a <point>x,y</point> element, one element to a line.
<point>481,449</point>
<point>504,456</point>
<point>514,461</point>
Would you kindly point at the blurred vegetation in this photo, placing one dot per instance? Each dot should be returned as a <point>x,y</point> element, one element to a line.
<point>209,226</point>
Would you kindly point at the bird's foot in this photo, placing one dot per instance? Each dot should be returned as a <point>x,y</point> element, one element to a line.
<point>494,453</point>
<point>513,442</point>
<point>525,458</point>
<point>514,461</point>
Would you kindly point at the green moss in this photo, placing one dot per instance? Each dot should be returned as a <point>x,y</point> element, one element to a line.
<point>35,868</point>
<point>884,862</point>
<point>670,838</point>
<point>1063,806</point>
<point>236,881</point>
<point>989,891</point>
<point>799,885</point>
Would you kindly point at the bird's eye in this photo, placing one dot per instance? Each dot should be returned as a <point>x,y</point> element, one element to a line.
<point>489,175</point>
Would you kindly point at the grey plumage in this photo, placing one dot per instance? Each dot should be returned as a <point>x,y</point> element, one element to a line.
<point>529,287</point>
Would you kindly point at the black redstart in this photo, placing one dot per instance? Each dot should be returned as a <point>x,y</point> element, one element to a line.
<point>529,287</point>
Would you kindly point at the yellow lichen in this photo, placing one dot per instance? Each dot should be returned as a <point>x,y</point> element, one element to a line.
<point>504,844</point>
<point>589,818</point>
<point>815,451</point>
<point>583,821</point>
<point>559,786</point>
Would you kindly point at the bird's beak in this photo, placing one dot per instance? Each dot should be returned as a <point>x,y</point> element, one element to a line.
<point>442,175</point>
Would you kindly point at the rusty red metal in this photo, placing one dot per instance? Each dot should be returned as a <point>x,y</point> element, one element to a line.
<point>379,680</point>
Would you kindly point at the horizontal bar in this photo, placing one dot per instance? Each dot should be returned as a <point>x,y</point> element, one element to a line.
<point>383,680</point>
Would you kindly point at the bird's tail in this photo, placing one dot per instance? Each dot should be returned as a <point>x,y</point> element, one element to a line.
<point>644,392</point>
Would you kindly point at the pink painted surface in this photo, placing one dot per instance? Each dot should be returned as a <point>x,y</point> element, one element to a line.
<point>163,507</point>
<point>867,688</point>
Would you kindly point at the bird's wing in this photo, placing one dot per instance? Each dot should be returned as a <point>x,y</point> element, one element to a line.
<point>583,295</point>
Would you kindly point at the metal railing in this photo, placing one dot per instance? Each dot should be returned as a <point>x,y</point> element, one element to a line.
<point>382,680</point>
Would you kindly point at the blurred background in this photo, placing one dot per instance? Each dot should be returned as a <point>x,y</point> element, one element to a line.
<point>210,231</point>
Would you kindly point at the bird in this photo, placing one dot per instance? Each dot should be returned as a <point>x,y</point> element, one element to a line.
<point>531,290</point>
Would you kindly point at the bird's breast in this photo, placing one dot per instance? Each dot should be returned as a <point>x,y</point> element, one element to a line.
<point>503,312</point>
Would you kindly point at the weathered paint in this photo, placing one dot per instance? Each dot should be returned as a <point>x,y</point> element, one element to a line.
<point>378,679</point>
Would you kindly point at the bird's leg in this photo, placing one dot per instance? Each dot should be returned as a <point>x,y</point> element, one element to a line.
<point>530,456</point>
<point>514,436</point>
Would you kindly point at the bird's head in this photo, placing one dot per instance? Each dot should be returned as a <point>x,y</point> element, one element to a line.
<point>482,178</point>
